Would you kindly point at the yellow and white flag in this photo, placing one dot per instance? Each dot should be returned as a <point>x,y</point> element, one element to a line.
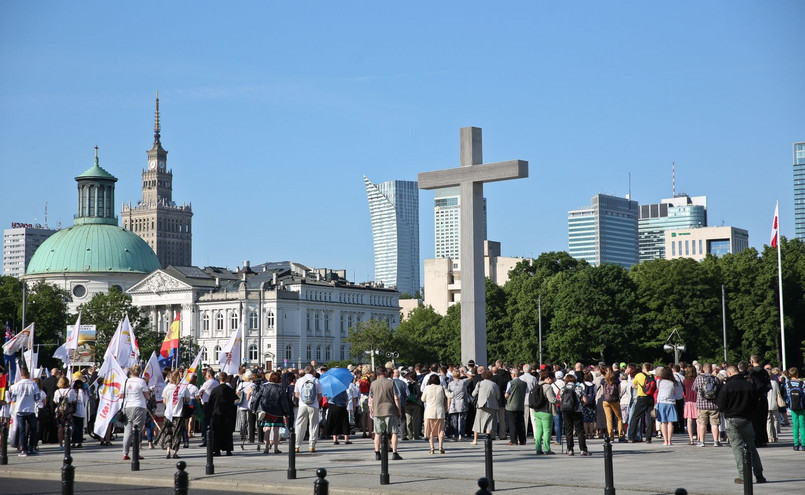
<point>230,354</point>
<point>109,393</point>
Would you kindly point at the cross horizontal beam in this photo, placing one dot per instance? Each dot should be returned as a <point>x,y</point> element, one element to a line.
<point>487,172</point>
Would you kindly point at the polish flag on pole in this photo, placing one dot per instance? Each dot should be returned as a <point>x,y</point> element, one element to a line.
<point>775,228</point>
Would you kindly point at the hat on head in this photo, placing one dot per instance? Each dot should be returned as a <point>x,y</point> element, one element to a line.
<point>559,375</point>
<point>542,366</point>
<point>78,376</point>
<point>623,365</point>
<point>247,375</point>
<point>351,367</point>
<point>471,362</point>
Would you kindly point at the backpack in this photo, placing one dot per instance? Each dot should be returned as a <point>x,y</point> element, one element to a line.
<point>710,387</point>
<point>570,401</point>
<point>413,393</point>
<point>537,398</point>
<point>63,408</point>
<point>649,385</point>
<point>588,399</point>
<point>254,401</point>
<point>796,397</point>
<point>612,393</point>
<point>308,394</point>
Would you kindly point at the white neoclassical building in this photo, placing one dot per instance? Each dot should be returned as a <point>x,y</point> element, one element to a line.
<point>292,314</point>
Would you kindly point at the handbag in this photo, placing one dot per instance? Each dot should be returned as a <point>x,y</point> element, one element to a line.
<point>121,416</point>
<point>780,400</point>
<point>284,433</point>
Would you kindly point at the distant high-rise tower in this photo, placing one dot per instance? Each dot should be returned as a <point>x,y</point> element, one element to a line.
<point>605,232</point>
<point>19,245</point>
<point>799,190</point>
<point>679,212</point>
<point>447,223</point>
<point>394,209</point>
<point>163,224</point>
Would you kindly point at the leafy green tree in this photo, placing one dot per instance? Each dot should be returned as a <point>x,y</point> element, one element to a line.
<point>105,310</point>
<point>371,335</point>
<point>595,316</point>
<point>46,305</point>
<point>447,337</point>
<point>10,302</point>
<point>497,321</point>
<point>413,338</point>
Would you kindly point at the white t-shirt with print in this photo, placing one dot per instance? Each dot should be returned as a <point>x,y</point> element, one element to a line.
<point>135,390</point>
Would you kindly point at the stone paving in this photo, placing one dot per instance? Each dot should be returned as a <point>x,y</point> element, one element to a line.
<point>638,469</point>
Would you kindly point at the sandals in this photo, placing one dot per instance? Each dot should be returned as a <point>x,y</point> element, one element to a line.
<point>431,451</point>
<point>441,451</point>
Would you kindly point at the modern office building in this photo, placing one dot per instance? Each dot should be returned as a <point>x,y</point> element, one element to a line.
<point>679,212</point>
<point>19,245</point>
<point>394,211</point>
<point>447,223</point>
<point>799,190</point>
<point>157,219</point>
<point>605,231</point>
<point>443,279</point>
<point>698,243</point>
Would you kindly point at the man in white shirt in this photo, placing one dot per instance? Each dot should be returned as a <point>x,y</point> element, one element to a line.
<point>204,395</point>
<point>308,391</point>
<point>531,381</point>
<point>26,394</point>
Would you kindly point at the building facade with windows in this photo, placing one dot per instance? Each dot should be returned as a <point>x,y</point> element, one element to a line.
<point>394,212</point>
<point>19,245</point>
<point>447,223</point>
<point>157,219</point>
<point>291,314</point>
<point>698,243</point>
<point>605,231</point>
<point>679,212</point>
<point>799,190</point>
<point>95,254</point>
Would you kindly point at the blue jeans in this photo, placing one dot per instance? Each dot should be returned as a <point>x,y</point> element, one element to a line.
<point>458,422</point>
<point>26,431</point>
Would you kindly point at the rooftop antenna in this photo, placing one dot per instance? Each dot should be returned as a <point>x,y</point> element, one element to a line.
<point>630,186</point>
<point>46,214</point>
<point>673,179</point>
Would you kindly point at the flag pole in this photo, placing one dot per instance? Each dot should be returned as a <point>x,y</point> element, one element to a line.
<point>780,282</point>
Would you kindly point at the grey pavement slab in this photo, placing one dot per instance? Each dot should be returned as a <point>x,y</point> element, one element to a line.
<point>638,469</point>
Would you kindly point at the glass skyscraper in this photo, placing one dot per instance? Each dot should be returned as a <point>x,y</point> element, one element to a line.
<point>394,210</point>
<point>680,212</point>
<point>605,232</point>
<point>799,190</point>
<point>447,223</point>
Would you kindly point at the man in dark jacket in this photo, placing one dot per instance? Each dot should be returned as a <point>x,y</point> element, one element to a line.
<point>760,379</point>
<point>224,411</point>
<point>737,400</point>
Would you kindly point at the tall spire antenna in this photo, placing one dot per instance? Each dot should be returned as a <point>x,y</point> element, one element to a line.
<point>96,154</point>
<point>673,179</point>
<point>156,119</point>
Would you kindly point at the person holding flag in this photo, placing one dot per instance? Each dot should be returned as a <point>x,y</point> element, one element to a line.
<point>8,360</point>
<point>175,397</point>
<point>169,352</point>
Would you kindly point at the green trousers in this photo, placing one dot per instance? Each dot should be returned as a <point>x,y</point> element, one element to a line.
<point>542,436</point>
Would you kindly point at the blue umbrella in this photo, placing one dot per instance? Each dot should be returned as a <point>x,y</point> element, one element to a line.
<point>335,381</point>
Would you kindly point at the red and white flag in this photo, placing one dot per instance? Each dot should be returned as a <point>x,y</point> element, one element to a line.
<point>775,228</point>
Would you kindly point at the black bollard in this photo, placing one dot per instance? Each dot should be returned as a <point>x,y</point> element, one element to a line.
<point>321,486</point>
<point>681,491</point>
<point>609,477</point>
<point>488,460</point>
<point>68,436</point>
<point>4,446</point>
<point>181,480</point>
<point>747,458</point>
<point>67,476</point>
<point>292,455</point>
<point>384,458</point>
<point>210,464</point>
<point>483,483</point>
<point>135,449</point>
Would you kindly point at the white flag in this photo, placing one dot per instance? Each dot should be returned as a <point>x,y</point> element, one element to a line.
<point>109,393</point>
<point>31,359</point>
<point>128,354</point>
<point>24,339</point>
<point>111,350</point>
<point>63,354</point>
<point>230,354</point>
<point>153,372</point>
<point>72,339</point>
<point>191,372</point>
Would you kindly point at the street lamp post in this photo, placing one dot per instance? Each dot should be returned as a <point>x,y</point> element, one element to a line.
<point>676,346</point>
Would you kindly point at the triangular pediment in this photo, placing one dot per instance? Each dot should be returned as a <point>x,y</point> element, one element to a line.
<point>158,282</point>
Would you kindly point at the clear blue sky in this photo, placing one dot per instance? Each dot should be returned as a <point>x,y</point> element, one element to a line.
<point>272,111</point>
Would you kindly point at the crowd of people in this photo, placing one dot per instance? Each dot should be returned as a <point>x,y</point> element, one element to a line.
<point>561,406</point>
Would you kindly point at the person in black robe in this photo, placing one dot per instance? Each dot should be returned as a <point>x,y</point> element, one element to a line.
<point>224,413</point>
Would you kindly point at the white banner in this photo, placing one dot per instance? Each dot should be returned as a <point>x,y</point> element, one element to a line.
<point>153,372</point>
<point>109,393</point>
<point>24,339</point>
<point>230,354</point>
<point>128,354</point>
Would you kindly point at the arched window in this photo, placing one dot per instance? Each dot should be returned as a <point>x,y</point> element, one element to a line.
<point>253,320</point>
<point>219,321</point>
<point>309,355</point>
<point>217,354</point>
<point>318,353</point>
<point>253,353</point>
<point>203,354</point>
<point>288,350</point>
<point>270,319</point>
<point>205,321</point>
<point>327,353</point>
<point>233,320</point>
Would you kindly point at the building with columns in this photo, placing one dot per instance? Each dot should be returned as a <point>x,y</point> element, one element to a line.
<point>292,314</point>
<point>163,224</point>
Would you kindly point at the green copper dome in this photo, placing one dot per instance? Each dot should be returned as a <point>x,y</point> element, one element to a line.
<point>93,248</point>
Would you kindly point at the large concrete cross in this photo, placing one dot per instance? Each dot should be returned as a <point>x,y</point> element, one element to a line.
<point>470,176</point>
